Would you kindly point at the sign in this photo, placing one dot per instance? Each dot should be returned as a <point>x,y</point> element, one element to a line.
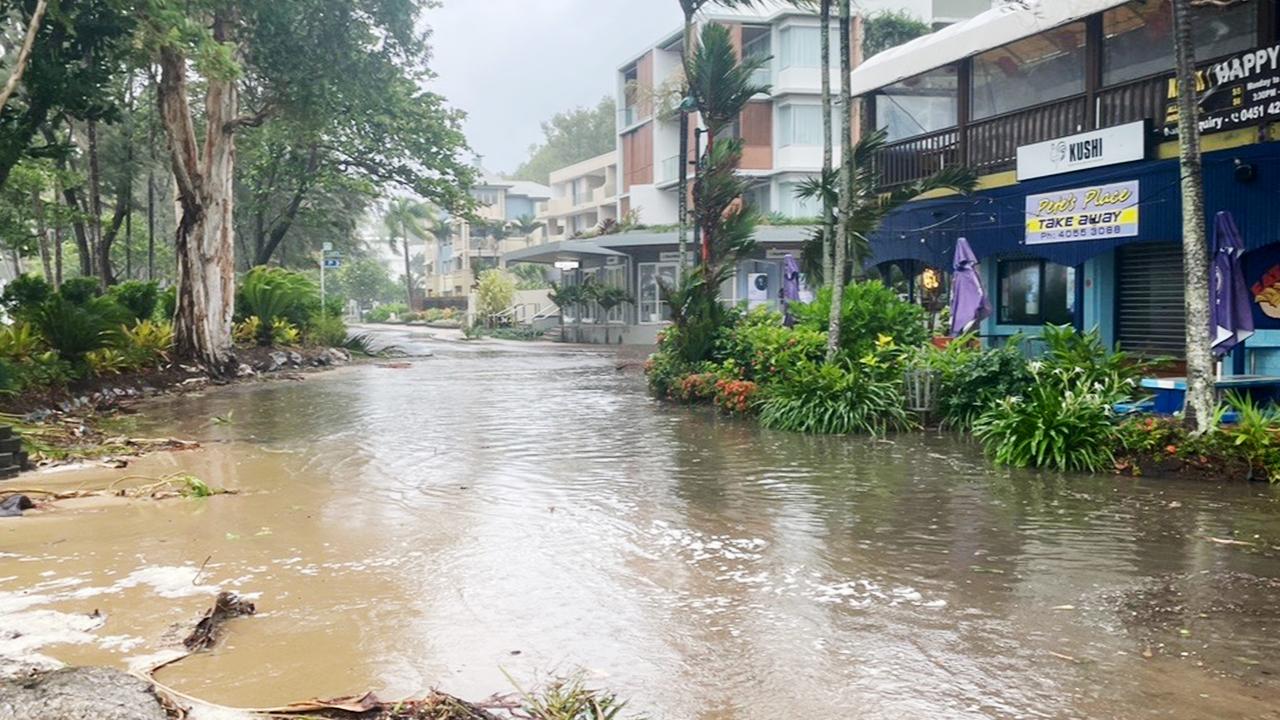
<point>1243,90</point>
<point>1110,146</point>
<point>673,256</point>
<point>1101,212</point>
<point>331,263</point>
<point>1262,275</point>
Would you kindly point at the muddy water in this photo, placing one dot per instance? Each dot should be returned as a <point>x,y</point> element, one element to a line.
<point>526,510</point>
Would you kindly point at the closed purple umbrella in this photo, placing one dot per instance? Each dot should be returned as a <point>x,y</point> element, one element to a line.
<point>1230,314</point>
<point>969,305</point>
<point>790,287</point>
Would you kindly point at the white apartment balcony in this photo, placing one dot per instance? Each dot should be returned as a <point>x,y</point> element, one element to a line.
<point>669,171</point>
<point>559,205</point>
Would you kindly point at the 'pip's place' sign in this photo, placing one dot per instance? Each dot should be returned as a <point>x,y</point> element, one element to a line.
<point>1100,212</point>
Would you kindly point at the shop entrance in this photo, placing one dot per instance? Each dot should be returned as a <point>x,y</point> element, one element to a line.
<point>1150,316</point>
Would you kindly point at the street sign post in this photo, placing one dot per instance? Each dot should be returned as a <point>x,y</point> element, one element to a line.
<point>329,260</point>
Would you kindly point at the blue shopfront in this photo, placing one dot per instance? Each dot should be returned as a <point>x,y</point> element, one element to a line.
<point>1124,279</point>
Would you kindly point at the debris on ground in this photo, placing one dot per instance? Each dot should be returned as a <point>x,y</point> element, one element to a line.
<point>436,706</point>
<point>13,505</point>
<point>174,485</point>
<point>209,629</point>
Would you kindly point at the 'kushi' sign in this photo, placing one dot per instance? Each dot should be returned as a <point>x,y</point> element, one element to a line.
<point>1100,212</point>
<point>1099,148</point>
<point>1245,91</point>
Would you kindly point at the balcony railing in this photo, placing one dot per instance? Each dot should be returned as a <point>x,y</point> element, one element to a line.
<point>991,145</point>
<point>670,169</point>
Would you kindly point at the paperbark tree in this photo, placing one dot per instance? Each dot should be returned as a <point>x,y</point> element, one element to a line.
<point>204,242</point>
<point>1195,250</point>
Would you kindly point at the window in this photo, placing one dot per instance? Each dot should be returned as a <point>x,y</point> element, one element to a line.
<point>796,207</point>
<point>1032,71</point>
<point>1138,37</point>
<point>758,198</point>
<point>487,197</point>
<point>615,276</point>
<point>799,125</point>
<point>1035,292</point>
<point>801,47</point>
<point>919,105</point>
<point>756,44</point>
<point>652,307</point>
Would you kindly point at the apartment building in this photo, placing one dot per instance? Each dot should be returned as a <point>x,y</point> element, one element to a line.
<point>584,197</point>
<point>503,205</point>
<point>781,131</point>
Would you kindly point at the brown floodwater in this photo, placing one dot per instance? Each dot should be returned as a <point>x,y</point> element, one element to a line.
<point>505,512</point>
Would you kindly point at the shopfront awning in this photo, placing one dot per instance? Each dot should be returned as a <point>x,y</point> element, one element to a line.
<point>996,27</point>
<point>559,251</point>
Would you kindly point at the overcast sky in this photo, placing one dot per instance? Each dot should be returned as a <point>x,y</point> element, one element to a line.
<point>510,64</point>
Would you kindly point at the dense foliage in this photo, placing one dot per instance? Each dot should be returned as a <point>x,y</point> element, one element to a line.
<point>868,311</point>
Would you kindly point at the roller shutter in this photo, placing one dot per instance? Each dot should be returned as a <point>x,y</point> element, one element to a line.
<point>1149,297</point>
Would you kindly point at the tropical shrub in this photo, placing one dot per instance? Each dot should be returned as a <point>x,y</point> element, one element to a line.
<point>247,331</point>
<point>284,332</point>
<point>700,322</point>
<point>736,396</point>
<point>277,294</point>
<point>138,297</point>
<point>763,348</point>
<point>80,290</point>
<point>1255,436</point>
<point>23,294</point>
<point>869,311</point>
<point>147,344</point>
<point>167,303</point>
<point>695,387</point>
<point>837,398</point>
<point>971,379</point>
<point>20,342</point>
<point>326,331</point>
<point>73,329</point>
<point>664,369</point>
<point>106,361</point>
<point>1114,374</point>
<point>1061,421</point>
<point>383,313</point>
<point>496,292</point>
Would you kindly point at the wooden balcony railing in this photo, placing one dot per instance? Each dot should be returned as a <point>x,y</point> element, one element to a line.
<point>991,145</point>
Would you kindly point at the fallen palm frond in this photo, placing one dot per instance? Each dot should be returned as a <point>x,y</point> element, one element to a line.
<point>363,344</point>
<point>209,630</point>
<point>164,487</point>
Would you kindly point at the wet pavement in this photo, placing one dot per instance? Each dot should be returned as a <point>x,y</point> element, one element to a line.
<point>523,510</point>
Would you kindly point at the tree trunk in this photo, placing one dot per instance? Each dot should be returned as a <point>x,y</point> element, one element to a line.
<point>1195,251</point>
<point>280,229</point>
<point>72,200</point>
<point>408,277</point>
<point>57,257</point>
<point>682,166</point>
<point>24,54</point>
<point>828,212</point>
<point>42,236</point>
<point>205,241</point>
<point>846,177</point>
<point>95,211</point>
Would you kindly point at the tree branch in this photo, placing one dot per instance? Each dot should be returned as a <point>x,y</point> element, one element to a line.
<point>24,54</point>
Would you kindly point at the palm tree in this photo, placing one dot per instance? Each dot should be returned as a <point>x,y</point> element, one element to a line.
<point>846,183</point>
<point>690,8</point>
<point>828,204</point>
<point>526,225</point>
<point>1195,251</point>
<point>405,220</point>
<point>864,206</point>
<point>608,298</point>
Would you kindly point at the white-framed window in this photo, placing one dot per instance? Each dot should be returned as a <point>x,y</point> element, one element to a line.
<point>615,276</point>
<point>795,207</point>
<point>652,308</point>
<point>488,197</point>
<point>799,125</point>
<point>801,47</point>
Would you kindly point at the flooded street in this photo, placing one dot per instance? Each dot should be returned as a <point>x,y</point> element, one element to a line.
<point>525,510</point>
